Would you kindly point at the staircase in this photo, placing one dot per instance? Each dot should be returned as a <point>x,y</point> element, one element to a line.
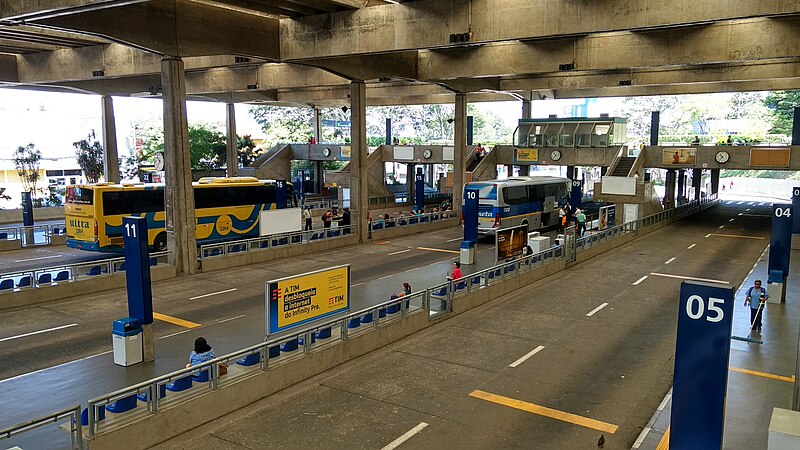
<point>473,164</point>
<point>623,167</point>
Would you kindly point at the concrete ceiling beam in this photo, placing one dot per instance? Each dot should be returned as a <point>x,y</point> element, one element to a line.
<point>429,23</point>
<point>178,28</point>
<point>786,84</point>
<point>8,69</point>
<point>28,9</point>
<point>371,67</point>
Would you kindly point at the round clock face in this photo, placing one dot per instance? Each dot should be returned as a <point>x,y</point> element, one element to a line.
<point>326,152</point>
<point>427,153</point>
<point>722,157</point>
<point>555,155</point>
<point>158,161</point>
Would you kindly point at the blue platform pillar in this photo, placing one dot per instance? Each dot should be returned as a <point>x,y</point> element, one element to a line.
<point>780,249</point>
<point>471,201</point>
<point>280,194</point>
<point>137,277</point>
<point>796,126</point>
<point>576,191</point>
<point>388,131</point>
<point>470,128</point>
<point>419,190</point>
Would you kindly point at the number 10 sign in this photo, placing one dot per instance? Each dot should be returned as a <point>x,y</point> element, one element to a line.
<point>702,350</point>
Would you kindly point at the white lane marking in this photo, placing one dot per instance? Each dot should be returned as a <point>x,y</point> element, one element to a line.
<point>175,334</point>
<point>721,227</point>
<point>405,436</point>
<point>752,203</point>
<point>591,313</point>
<point>748,209</point>
<point>453,240</point>
<point>22,375</point>
<point>709,234</point>
<point>397,253</point>
<point>690,247</point>
<point>213,293</point>
<point>527,355</point>
<point>357,284</point>
<point>740,203</point>
<point>739,214</point>
<point>636,283</point>
<point>11,338</point>
<point>232,318</point>
<point>731,220</point>
<point>683,277</point>
<point>664,403</point>
<point>641,437</point>
<point>669,260</point>
<point>35,259</point>
<point>387,276</point>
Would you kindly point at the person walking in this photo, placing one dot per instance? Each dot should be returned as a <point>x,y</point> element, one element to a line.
<point>581,218</point>
<point>757,298</point>
<point>307,217</point>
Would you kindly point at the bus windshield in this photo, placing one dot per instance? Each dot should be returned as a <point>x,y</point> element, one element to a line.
<point>79,195</point>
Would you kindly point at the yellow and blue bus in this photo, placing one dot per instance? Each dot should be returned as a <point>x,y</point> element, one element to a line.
<point>225,209</point>
<point>533,201</point>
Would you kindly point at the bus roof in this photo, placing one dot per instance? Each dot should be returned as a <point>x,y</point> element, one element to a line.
<point>522,180</point>
<point>205,181</point>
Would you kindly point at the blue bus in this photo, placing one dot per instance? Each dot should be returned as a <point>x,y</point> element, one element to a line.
<point>520,200</point>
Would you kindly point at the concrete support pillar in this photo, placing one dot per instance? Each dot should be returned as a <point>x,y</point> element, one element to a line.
<point>524,171</point>
<point>317,126</point>
<point>179,198</point>
<point>388,131</point>
<point>359,187</point>
<point>110,155</point>
<point>655,119</point>
<point>319,176</point>
<point>571,172</point>
<point>796,126</point>
<point>681,184</point>
<point>232,154</point>
<point>714,181</point>
<point>410,183</point>
<point>669,193</point>
<point>459,161</point>
<point>526,109</point>
<point>697,182</point>
<point>429,174</point>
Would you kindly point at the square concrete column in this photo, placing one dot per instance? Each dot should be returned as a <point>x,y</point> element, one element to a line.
<point>697,182</point>
<point>410,183</point>
<point>359,187</point>
<point>317,126</point>
<point>110,155</point>
<point>526,109</point>
<point>669,191</point>
<point>714,181</point>
<point>179,196</point>
<point>459,163</point>
<point>232,154</point>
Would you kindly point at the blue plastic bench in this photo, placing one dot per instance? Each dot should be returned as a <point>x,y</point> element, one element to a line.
<point>101,415</point>
<point>354,322</point>
<point>181,384</point>
<point>366,318</point>
<point>4,235</point>
<point>413,221</point>
<point>24,281</point>
<point>162,392</point>
<point>6,284</point>
<point>121,267</point>
<point>95,270</point>
<point>62,275</point>
<point>45,278</point>
<point>289,346</point>
<point>324,333</point>
<point>202,376</point>
<point>122,405</point>
<point>153,262</point>
<point>249,360</point>
<point>377,226</point>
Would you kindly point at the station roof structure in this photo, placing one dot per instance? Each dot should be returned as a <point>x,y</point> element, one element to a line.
<point>414,52</point>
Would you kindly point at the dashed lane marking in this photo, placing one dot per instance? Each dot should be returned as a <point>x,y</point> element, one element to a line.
<point>11,338</point>
<point>453,240</point>
<point>36,259</point>
<point>762,374</point>
<point>684,277</point>
<point>357,284</point>
<point>731,220</point>
<point>213,293</point>
<point>735,236</point>
<point>636,283</point>
<point>721,227</point>
<point>231,318</point>
<point>437,250</point>
<point>669,260</point>
<point>175,320</point>
<point>527,356</point>
<point>405,436</point>
<point>546,412</point>
<point>398,252</point>
<point>690,247</point>
<point>592,312</point>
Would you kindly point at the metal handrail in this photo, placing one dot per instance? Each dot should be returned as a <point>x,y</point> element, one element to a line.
<point>73,414</point>
<point>267,242</point>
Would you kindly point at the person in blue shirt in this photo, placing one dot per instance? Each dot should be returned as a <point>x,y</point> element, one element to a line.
<point>756,297</point>
<point>202,352</point>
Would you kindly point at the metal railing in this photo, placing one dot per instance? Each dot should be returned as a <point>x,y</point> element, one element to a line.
<point>383,224</point>
<point>72,415</point>
<point>32,235</point>
<point>66,273</point>
<point>315,202</point>
<point>273,241</point>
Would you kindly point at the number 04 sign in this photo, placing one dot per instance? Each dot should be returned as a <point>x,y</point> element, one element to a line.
<point>702,350</point>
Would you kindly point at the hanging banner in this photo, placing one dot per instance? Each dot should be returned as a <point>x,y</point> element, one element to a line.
<point>526,155</point>
<point>301,299</point>
<point>679,156</point>
<point>780,243</point>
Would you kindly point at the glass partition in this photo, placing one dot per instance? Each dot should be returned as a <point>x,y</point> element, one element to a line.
<point>583,135</point>
<point>551,133</point>
<point>567,134</point>
<point>600,136</point>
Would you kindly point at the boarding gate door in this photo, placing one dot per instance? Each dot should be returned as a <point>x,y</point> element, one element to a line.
<point>569,244</point>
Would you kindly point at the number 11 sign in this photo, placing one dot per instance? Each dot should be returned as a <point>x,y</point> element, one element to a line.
<point>702,350</point>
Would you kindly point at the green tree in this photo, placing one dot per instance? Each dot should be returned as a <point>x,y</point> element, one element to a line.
<point>89,153</point>
<point>247,149</point>
<point>781,104</point>
<point>207,146</point>
<point>27,161</point>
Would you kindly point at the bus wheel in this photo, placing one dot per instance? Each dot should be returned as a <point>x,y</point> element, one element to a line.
<point>161,242</point>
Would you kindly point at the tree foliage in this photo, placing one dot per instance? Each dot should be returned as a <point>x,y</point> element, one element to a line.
<point>27,161</point>
<point>247,149</point>
<point>207,147</point>
<point>781,104</point>
<point>89,153</point>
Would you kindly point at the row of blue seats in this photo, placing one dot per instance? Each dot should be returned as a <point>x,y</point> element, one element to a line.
<point>382,224</point>
<point>62,275</point>
<point>184,383</point>
<point>276,242</point>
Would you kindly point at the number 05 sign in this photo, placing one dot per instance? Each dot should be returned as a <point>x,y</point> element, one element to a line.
<point>702,350</point>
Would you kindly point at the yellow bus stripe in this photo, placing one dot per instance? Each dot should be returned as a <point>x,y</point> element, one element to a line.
<point>438,250</point>
<point>546,412</point>
<point>175,320</point>
<point>762,374</point>
<point>664,443</point>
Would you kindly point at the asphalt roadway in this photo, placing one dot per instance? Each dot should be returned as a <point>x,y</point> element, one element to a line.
<point>605,334</point>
